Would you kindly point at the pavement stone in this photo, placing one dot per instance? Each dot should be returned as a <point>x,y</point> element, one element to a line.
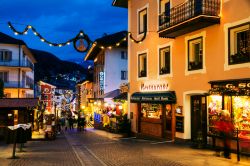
<point>100,148</point>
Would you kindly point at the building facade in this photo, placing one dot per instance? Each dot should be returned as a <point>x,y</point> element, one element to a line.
<point>110,63</point>
<point>46,93</point>
<point>195,59</point>
<point>17,74</point>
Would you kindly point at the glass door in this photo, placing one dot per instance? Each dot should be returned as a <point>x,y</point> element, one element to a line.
<point>198,119</point>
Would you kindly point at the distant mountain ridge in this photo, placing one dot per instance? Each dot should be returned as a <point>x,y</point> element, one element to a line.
<point>51,69</point>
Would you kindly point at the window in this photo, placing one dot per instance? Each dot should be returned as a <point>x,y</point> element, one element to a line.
<point>5,55</point>
<point>4,76</point>
<point>124,55</point>
<point>142,65</point>
<point>239,44</point>
<point>164,12</point>
<point>195,54</point>
<point>124,75</point>
<point>164,60</point>
<point>143,21</point>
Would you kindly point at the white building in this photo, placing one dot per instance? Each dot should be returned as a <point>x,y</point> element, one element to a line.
<point>110,64</point>
<point>16,68</point>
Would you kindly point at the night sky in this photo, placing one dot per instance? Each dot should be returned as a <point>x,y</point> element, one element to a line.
<point>60,20</point>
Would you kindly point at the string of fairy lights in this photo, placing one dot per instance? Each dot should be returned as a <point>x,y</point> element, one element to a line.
<point>80,36</point>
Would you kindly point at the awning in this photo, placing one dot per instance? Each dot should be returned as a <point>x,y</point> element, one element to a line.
<point>166,97</point>
<point>18,102</point>
<point>111,94</point>
<point>122,96</point>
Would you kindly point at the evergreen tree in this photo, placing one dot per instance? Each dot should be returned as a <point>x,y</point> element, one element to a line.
<point>1,88</point>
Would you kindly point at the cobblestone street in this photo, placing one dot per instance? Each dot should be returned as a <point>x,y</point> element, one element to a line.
<point>95,147</point>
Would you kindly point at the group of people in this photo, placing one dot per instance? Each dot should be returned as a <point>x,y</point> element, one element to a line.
<point>70,122</point>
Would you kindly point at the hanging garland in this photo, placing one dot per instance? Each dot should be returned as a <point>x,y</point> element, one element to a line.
<point>81,38</point>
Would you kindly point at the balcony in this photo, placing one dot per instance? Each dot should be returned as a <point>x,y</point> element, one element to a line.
<point>188,17</point>
<point>16,63</point>
<point>16,84</point>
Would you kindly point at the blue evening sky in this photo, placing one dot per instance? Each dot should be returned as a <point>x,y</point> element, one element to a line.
<point>60,20</point>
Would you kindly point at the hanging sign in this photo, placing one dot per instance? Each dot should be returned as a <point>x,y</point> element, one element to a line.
<point>101,78</point>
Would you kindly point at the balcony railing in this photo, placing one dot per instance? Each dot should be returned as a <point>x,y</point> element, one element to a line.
<point>16,63</point>
<point>187,11</point>
<point>16,84</point>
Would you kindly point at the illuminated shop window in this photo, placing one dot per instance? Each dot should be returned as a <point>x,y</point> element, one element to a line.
<point>151,111</point>
<point>142,21</point>
<point>239,44</point>
<point>241,112</point>
<point>142,65</point>
<point>164,60</point>
<point>195,54</point>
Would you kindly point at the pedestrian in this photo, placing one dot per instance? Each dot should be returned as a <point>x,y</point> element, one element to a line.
<point>66,124</point>
<point>71,123</point>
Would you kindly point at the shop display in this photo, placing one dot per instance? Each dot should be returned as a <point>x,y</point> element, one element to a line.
<point>241,111</point>
<point>214,110</point>
<point>151,110</point>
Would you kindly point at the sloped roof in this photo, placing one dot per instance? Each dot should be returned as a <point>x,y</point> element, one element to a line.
<point>120,3</point>
<point>111,94</point>
<point>6,39</point>
<point>105,41</point>
<point>18,102</point>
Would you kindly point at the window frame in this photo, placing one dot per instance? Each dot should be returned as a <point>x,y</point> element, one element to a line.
<point>7,76</point>
<point>124,55</point>
<point>190,38</point>
<point>5,57</point>
<point>160,58</point>
<point>124,75</point>
<point>138,64</point>
<point>145,7</point>
<point>233,42</point>
<point>191,46</point>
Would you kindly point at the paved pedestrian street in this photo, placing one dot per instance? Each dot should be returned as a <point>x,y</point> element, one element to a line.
<point>100,148</point>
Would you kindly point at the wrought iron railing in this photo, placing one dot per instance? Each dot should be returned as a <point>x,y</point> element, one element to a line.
<point>188,10</point>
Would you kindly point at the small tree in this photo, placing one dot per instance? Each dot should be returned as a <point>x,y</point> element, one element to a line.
<point>1,88</point>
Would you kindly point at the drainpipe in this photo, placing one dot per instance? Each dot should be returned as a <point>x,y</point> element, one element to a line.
<point>19,70</point>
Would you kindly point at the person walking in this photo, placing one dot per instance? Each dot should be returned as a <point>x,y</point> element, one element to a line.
<point>66,124</point>
<point>71,123</point>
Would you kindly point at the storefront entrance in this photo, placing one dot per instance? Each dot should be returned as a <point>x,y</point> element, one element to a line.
<point>198,119</point>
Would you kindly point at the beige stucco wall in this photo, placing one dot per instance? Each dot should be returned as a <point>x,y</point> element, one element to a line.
<point>215,52</point>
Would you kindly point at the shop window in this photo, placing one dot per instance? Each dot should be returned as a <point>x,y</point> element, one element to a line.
<point>4,76</point>
<point>124,55</point>
<point>239,44</point>
<point>151,111</point>
<point>195,54</point>
<point>124,75</point>
<point>164,60</point>
<point>142,65</point>
<point>142,21</point>
<point>5,55</point>
<point>241,113</point>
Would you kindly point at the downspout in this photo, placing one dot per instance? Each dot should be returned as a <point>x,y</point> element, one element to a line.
<point>19,70</point>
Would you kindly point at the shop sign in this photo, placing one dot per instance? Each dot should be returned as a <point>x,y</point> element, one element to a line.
<point>145,99</point>
<point>101,78</point>
<point>154,86</point>
<point>232,87</point>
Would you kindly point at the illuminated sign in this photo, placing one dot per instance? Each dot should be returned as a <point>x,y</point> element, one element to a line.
<point>154,86</point>
<point>101,78</point>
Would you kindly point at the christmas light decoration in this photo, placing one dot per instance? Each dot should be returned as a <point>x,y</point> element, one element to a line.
<point>84,42</point>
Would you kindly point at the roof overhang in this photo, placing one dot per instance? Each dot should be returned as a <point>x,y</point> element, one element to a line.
<point>18,102</point>
<point>120,3</point>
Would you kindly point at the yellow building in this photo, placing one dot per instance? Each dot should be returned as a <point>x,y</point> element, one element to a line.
<point>192,51</point>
